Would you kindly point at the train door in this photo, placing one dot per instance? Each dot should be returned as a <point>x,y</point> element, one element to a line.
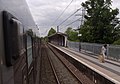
<point>29,48</point>
<point>15,53</point>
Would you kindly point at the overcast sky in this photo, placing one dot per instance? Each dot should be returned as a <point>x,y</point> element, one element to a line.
<point>45,12</point>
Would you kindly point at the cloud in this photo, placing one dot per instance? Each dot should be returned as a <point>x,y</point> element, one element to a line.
<point>45,12</point>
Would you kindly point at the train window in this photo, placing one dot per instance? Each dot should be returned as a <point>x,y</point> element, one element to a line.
<point>20,35</point>
<point>13,34</point>
<point>29,50</point>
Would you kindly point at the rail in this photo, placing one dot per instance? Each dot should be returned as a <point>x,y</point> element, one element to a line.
<point>54,71</point>
<point>77,75</point>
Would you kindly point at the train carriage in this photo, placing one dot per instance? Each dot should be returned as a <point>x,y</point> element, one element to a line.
<point>19,43</point>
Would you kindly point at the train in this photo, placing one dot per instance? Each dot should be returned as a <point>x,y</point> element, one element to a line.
<point>19,43</point>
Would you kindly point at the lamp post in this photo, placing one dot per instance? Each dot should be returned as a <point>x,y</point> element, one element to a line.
<point>79,35</point>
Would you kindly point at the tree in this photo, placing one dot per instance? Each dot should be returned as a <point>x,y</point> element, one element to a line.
<point>72,35</point>
<point>86,35</point>
<point>117,35</point>
<point>98,26</point>
<point>117,42</point>
<point>69,29</point>
<point>51,31</point>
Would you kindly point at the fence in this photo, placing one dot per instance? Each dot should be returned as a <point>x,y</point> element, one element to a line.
<point>113,52</point>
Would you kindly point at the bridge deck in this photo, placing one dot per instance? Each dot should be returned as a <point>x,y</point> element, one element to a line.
<point>109,69</point>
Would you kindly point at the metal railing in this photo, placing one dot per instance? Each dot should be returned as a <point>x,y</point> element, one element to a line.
<point>113,52</point>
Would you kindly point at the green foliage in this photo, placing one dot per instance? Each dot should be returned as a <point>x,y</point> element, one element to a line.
<point>72,35</point>
<point>117,42</point>
<point>85,31</point>
<point>117,33</point>
<point>98,27</point>
<point>69,29</point>
<point>51,31</point>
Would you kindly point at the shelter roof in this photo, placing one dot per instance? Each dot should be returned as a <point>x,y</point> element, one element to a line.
<point>57,33</point>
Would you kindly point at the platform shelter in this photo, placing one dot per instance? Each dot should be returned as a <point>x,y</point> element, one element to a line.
<point>58,39</point>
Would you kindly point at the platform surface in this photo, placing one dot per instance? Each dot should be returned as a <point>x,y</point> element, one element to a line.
<point>110,69</point>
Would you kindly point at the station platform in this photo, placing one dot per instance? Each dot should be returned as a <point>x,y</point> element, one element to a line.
<point>110,69</point>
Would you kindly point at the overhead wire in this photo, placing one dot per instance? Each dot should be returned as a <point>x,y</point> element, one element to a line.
<point>73,22</point>
<point>70,16</point>
<point>62,12</point>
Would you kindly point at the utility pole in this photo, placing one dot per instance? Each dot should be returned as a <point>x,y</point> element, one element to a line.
<point>82,17</point>
<point>83,14</point>
<point>57,28</point>
<point>81,23</point>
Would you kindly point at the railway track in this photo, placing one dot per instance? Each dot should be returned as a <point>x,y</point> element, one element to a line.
<point>75,72</point>
<point>53,70</point>
<point>47,72</point>
<point>90,74</point>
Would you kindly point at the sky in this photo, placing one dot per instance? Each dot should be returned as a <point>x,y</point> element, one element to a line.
<point>45,13</point>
